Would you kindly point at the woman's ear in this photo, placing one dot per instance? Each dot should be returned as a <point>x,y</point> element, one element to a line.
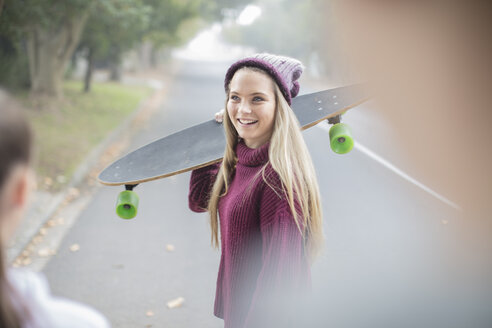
<point>18,187</point>
<point>14,199</point>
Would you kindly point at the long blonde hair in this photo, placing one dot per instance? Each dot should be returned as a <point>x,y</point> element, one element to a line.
<point>290,159</point>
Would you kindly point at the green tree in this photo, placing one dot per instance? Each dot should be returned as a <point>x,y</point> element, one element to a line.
<point>116,26</point>
<point>217,9</point>
<point>166,18</point>
<point>113,27</point>
<point>50,30</point>
<point>174,22</point>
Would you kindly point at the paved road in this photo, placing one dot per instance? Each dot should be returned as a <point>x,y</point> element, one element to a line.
<point>390,250</point>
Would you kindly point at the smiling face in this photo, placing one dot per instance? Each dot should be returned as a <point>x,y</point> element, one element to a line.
<point>251,106</point>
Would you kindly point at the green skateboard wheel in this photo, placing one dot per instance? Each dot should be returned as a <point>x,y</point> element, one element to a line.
<point>341,140</point>
<point>127,204</point>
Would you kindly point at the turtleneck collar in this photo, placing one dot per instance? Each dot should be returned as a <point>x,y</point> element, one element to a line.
<point>252,157</point>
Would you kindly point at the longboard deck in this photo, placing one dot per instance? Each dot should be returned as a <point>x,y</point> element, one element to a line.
<point>204,144</point>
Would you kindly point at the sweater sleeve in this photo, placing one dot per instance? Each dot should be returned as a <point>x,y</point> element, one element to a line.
<point>201,183</point>
<point>284,278</point>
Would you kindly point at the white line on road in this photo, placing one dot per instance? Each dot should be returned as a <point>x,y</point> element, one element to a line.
<point>396,170</point>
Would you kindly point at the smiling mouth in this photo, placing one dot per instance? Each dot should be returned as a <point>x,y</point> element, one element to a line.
<point>246,122</point>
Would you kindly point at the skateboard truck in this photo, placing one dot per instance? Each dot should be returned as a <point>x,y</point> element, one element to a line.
<point>341,140</point>
<point>127,203</point>
<point>335,119</point>
<point>130,187</point>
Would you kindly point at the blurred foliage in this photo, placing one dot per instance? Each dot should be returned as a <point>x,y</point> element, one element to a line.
<point>164,23</point>
<point>302,29</point>
<point>215,10</point>
<point>14,67</point>
<point>41,33</point>
<point>18,15</point>
<point>113,27</point>
<point>107,27</point>
<point>115,23</point>
<point>167,17</point>
<point>280,29</point>
<point>174,22</point>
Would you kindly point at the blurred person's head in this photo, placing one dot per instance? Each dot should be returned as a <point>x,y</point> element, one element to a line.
<point>15,182</point>
<point>429,66</point>
<point>15,172</point>
<point>259,90</point>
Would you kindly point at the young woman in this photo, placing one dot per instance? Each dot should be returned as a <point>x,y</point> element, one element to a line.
<point>25,300</point>
<point>266,195</point>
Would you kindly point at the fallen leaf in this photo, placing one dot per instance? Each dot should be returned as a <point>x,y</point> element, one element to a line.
<point>44,252</point>
<point>48,181</point>
<point>170,248</point>
<point>74,192</point>
<point>75,247</point>
<point>149,313</point>
<point>37,240</point>
<point>26,261</point>
<point>175,303</point>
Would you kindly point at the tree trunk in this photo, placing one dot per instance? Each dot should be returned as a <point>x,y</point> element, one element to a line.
<point>115,71</point>
<point>115,64</point>
<point>89,70</point>
<point>153,57</point>
<point>49,51</point>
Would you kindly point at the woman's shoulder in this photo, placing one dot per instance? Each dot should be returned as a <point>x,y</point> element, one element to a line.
<point>46,310</point>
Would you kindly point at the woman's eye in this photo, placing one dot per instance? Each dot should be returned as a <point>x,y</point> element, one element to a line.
<point>235,98</point>
<point>256,99</point>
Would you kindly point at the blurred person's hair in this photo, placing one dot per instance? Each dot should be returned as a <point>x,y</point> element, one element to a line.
<point>289,157</point>
<point>15,148</point>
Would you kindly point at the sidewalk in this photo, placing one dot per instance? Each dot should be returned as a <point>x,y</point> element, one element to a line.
<point>43,214</point>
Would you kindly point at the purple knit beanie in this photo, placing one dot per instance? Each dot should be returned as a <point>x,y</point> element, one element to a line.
<point>285,71</point>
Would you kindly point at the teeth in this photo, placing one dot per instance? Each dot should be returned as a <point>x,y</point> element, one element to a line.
<point>247,121</point>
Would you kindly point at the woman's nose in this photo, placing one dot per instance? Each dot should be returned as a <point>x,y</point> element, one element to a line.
<point>244,108</point>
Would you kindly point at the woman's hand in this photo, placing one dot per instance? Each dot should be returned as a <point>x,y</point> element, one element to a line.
<point>219,116</point>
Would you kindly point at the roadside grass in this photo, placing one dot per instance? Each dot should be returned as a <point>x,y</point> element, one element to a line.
<point>65,131</point>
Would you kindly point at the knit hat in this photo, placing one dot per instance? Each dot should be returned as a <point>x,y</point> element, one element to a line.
<point>285,71</point>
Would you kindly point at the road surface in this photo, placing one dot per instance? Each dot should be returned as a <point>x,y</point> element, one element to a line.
<point>390,245</point>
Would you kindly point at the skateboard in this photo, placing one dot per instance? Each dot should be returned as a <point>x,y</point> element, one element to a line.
<point>204,144</point>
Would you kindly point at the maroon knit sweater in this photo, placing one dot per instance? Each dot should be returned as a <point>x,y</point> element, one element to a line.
<point>263,271</point>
